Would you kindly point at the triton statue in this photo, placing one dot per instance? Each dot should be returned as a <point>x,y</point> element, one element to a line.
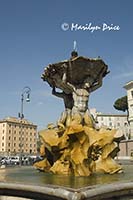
<point>74,146</point>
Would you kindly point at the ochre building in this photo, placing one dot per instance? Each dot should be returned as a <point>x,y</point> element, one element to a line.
<point>17,136</point>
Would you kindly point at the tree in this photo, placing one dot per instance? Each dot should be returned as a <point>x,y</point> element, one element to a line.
<point>122,104</point>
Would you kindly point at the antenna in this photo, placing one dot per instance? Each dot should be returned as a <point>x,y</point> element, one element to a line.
<point>74,53</point>
<point>75,45</point>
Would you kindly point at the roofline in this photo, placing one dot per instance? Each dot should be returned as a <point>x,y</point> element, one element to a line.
<point>18,122</point>
<point>112,115</point>
<point>128,84</point>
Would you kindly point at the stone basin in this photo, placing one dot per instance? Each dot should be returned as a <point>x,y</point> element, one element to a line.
<point>28,183</point>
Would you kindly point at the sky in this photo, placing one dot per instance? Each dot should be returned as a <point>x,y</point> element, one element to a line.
<point>35,33</point>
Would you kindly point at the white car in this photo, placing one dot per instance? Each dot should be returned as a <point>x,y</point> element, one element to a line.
<point>14,160</point>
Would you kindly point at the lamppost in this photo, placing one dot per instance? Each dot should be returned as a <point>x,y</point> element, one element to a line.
<point>25,93</point>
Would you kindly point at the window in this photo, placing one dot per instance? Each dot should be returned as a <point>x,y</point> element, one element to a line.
<point>118,124</point>
<point>132,93</point>
<point>109,118</point>
<point>110,124</point>
<point>3,138</point>
<point>9,144</point>
<point>3,131</point>
<point>2,144</point>
<point>14,138</point>
<point>131,107</point>
<point>9,131</point>
<point>14,144</point>
<point>125,124</point>
<point>9,138</point>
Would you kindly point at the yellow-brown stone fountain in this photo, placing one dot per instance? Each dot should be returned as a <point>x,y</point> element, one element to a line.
<point>74,146</point>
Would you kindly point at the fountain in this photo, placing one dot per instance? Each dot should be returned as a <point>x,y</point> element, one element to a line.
<point>74,146</point>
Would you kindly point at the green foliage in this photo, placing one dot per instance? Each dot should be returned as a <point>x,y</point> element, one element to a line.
<point>121,104</point>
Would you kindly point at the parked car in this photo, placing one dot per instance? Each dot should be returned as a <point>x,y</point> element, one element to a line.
<point>15,160</point>
<point>10,160</point>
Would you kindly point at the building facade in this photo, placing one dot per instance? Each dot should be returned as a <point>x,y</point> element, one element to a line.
<point>126,149</point>
<point>113,121</point>
<point>17,136</point>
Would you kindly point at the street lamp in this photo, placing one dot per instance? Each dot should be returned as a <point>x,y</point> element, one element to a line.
<point>25,93</point>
